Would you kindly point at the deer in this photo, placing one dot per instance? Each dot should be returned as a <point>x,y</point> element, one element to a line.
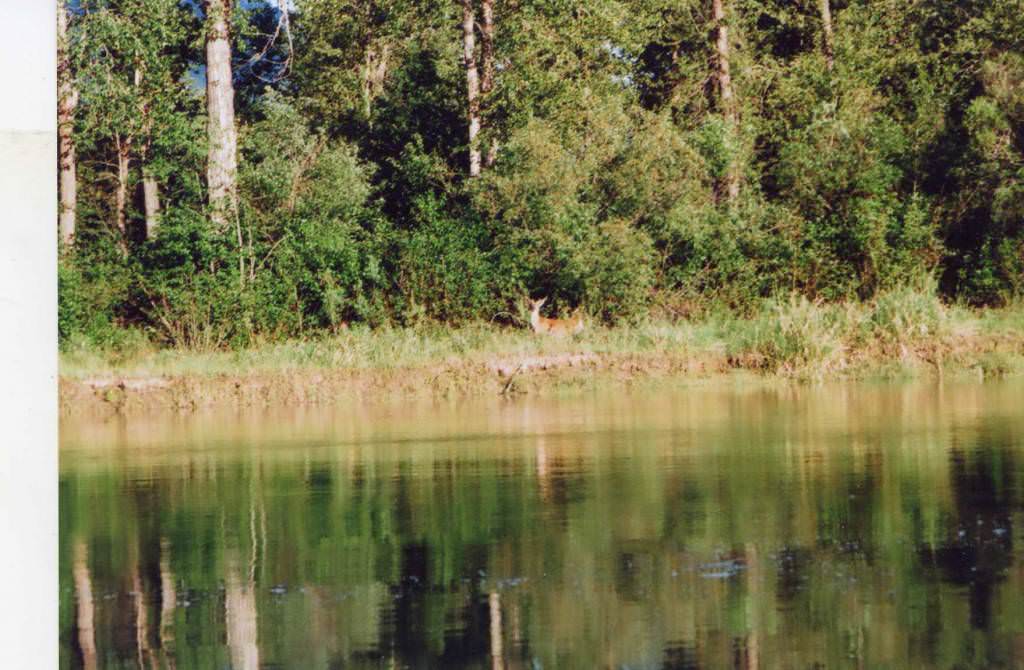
<point>557,327</point>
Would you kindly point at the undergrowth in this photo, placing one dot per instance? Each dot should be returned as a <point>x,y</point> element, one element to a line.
<point>790,337</point>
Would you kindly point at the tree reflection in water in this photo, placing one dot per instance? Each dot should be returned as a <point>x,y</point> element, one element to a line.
<point>865,528</point>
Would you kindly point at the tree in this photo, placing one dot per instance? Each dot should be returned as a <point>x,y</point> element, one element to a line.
<point>828,41</point>
<point>123,142</point>
<point>487,80</point>
<point>472,85</point>
<point>150,187</point>
<point>222,136</point>
<point>107,53</point>
<point>128,55</point>
<point>705,150</point>
<point>726,96</point>
<point>67,100</point>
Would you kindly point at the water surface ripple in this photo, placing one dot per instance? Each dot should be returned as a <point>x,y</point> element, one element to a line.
<point>857,526</point>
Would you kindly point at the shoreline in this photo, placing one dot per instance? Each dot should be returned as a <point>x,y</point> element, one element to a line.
<point>112,392</point>
<point>105,389</point>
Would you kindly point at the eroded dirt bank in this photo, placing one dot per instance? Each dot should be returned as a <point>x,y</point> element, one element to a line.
<point>514,374</point>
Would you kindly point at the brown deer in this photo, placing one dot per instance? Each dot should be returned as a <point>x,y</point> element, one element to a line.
<point>556,327</point>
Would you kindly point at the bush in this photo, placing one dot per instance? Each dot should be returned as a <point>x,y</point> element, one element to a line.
<point>616,268</point>
<point>792,335</point>
<point>73,313</point>
<point>906,314</point>
<point>443,274</point>
<point>580,212</point>
<point>203,311</point>
<point>88,302</point>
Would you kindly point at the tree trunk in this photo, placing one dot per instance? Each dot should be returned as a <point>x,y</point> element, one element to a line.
<point>86,607</point>
<point>67,100</point>
<point>726,95</point>
<point>124,147</point>
<point>151,201</point>
<point>375,70</point>
<point>828,42</point>
<point>487,80</point>
<point>150,189</point>
<point>222,163</point>
<point>472,85</point>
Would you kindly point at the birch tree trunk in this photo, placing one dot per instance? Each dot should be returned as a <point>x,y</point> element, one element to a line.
<point>726,95</point>
<point>375,70</point>
<point>151,201</point>
<point>222,137</point>
<point>67,101</point>
<point>828,42</point>
<point>487,80</point>
<point>150,189</point>
<point>472,85</point>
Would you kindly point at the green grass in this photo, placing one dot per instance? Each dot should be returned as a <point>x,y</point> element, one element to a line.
<point>790,337</point>
<point>362,348</point>
<point>899,328</point>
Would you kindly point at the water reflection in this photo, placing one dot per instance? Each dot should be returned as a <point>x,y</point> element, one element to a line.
<point>848,527</point>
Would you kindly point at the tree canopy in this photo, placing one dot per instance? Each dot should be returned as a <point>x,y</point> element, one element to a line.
<point>855,146</point>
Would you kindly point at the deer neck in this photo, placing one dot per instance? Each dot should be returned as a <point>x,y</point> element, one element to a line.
<point>535,319</point>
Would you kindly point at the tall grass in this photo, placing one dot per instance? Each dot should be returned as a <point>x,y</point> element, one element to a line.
<point>790,336</point>
<point>798,337</point>
<point>363,348</point>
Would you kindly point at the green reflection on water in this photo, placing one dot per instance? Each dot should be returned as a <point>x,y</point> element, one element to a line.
<point>837,527</point>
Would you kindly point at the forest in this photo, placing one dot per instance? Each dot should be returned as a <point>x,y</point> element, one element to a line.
<point>239,172</point>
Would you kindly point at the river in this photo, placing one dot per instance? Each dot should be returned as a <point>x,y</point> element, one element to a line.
<point>847,526</point>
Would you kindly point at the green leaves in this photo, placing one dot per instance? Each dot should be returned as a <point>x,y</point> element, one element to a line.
<point>902,159</point>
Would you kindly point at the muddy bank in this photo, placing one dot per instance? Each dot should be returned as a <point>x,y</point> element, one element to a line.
<point>536,374</point>
<point>496,375</point>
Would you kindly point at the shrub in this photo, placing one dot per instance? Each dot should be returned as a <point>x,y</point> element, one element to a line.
<point>792,335</point>
<point>90,293</point>
<point>906,314</point>
<point>443,274</point>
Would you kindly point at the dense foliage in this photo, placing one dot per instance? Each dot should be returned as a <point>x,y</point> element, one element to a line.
<point>890,154</point>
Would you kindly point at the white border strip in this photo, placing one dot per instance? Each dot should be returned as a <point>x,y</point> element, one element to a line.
<point>28,340</point>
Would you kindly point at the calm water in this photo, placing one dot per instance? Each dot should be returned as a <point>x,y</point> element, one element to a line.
<point>856,526</point>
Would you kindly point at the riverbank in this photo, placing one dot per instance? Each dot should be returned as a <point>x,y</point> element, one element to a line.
<point>895,336</point>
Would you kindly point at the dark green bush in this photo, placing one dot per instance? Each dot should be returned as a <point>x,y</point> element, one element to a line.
<point>443,273</point>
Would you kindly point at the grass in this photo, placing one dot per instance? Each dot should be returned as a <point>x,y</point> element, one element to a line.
<point>900,332</point>
<point>365,349</point>
<point>894,333</point>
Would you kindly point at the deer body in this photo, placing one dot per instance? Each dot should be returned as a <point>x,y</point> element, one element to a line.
<point>556,327</point>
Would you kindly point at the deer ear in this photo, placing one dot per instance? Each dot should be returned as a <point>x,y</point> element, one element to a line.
<point>540,303</point>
